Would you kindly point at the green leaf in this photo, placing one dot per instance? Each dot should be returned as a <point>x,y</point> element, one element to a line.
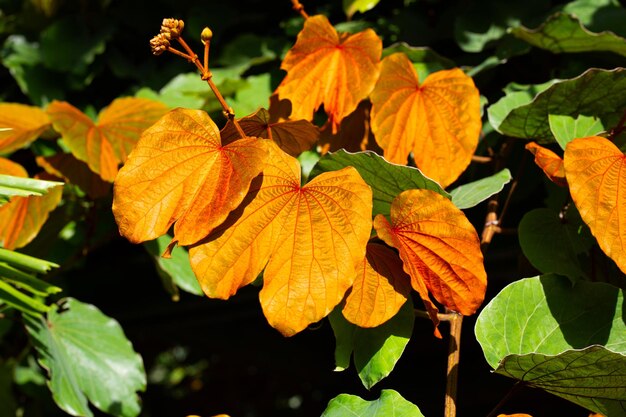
<point>424,59</point>
<point>8,405</point>
<point>596,92</point>
<point>17,186</point>
<point>248,50</point>
<point>594,378</point>
<point>386,179</point>
<point>176,269</point>
<point>253,95</point>
<point>473,193</point>
<point>30,263</point>
<point>565,33</point>
<point>88,358</point>
<point>390,403</point>
<point>549,315</point>
<point>26,281</point>
<point>17,299</point>
<point>566,128</point>
<point>376,350</point>
<point>554,244</point>
<point>350,7</point>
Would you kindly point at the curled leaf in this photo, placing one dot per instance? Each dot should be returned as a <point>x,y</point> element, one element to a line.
<point>180,172</point>
<point>325,67</point>
<point>20,125</point>
<point>549,162</point>
<point>310,240</point>
<point>439,248</point>
<point>438,120</point>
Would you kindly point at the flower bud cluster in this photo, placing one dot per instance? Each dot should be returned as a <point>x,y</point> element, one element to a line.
<point>172,28</point>
<point>159,44</point>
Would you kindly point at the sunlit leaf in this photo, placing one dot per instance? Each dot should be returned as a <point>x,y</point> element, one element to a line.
<point>379,290</point>
<point>175,269</point>
<point>22,217</point>
<point>312,239</point>
<point>353,134</point>
<point>11,185</point>
<point>439,248</point>
<point>596,173</point>
<point>567,128</point>
<point>470,194</point>
<point>74,171</point>
<point>89,360</point>
<point>549,162</point>
<point>437,120</point>
<point>390,403</point>
<point>325,67</point>
<point>424,59</point>
<point>350,7</point>
<point>292,136</point>
<point>20,125</point>
<point>180,172</point>
<point>107,143</point>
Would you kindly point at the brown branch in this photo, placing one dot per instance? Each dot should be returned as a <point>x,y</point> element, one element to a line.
<point>454,351</point>
<point>441,316</point>
<point>299,8</point>
<point>482,159</point>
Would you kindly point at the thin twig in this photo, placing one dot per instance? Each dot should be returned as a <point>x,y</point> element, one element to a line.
<point>299,8</point>
<point>441,316</point>
<point>482,159</point>
<point>514,389</point>
<point>454,351</point>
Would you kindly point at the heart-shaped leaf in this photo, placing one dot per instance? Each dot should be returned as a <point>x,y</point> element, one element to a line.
<point>390,403</point>
<point>438,120</point>
<point>107,143</point>
<point>312,239</point>
<point>596,173</point>
<point>180,172</point>
<point>549,162</point>
<point>439,248</point>
<point>325,67</point>
<point>20,125</point>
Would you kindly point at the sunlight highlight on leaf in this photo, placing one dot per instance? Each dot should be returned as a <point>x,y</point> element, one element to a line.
<point>312,239</point>
<point>107,143</point>
<point>596,172</point>
<point>325,67</point>
<point>438,120</point>
<point>180,172</point>
<point>549,162</point>
<point>20,125</point>
<point>439,248</point>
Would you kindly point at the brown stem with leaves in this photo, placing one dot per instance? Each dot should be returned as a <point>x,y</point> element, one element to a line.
<point>299,8</point>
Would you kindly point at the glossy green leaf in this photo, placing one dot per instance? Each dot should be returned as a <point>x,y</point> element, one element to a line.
<point>175,269</point>
<point>88,359</point>
<point>549,315</point>
<point>387,180</point>
<point>350,7</point>
<point>596,92</point>
<point>554,243</point>
<point>567,128</point>
<point>473,193</point>
<point>17,186</point>
<point>376,350</point>
<point>594,378</point>
<point>565,33</point>
<point>390,403</point>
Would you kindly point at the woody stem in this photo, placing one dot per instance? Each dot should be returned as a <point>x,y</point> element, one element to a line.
<point>453,365</point>
<point>298,7</point>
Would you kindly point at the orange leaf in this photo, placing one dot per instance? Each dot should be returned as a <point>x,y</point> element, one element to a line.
<point>325,67</point>
<point>22,217</point>
<point>439,248</point>
<point>549,162</point>
<point>106,144</point>
<point>514,415</point>
<point>380,289</point>
<point>66,166</point>
<point>439,120</point>
<point>354,133</point>
<point>180,172</point>
<point>292,136</point>
<point>596,173</point>
<point>24,124</point>
<point>310,240</point>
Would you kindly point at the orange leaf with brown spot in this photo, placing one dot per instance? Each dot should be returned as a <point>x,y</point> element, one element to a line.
<point>325,67</point>
<point>549,162</point>
<point>438,120</point>
<point>439,248</point>
<point>20,125</point>
<point>381,288</point>
<point>180,172</point>
<point>66,166</point>
<point>107,143</point>
<point>596,173</point>
<point>309,239</point>
<point>292,136</point>
<point>22,217</point>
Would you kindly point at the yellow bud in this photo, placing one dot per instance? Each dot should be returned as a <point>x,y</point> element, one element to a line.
<point>206,35</point>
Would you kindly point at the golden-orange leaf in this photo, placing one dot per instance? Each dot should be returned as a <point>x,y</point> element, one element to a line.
<point>380,289</point>
<point>180,172</point>
<point>66,166</point>
<point>292,136</point>
<point>310,240</point>
<point>22,217</point>
<point>596,173</point>
<point>325,67</point>
<point>549,162</point>
<point>20,125</point>
<point>439,248</point>
<point>107,143</point>
<point>438,120</point>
